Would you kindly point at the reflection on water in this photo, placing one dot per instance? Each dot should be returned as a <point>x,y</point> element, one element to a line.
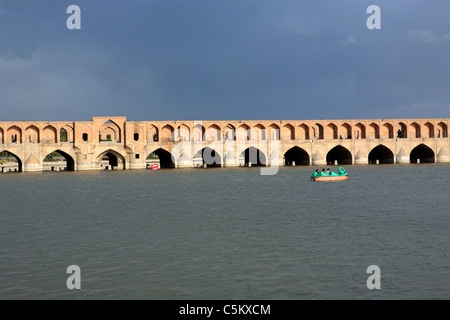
<point>222,233</point>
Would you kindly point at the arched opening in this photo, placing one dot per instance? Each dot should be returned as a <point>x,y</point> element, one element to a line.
<point>208,157</point>
<point>381,155</point>
<point>243,132</point>
<point>161,157</point>
<point>253,156</point>
<point>213,133</point>
<point>274,132</point>
<point>422,154</point>
<point>230,132</point>
<point>110,128</point>
<point>287,132</point>
<point>331,131</point>
<point>66,134</point>
<point>346,131</point>
<point>402,132</point>
<point>14,135</point>
<point>360,132</point>
<point>442,130</point>
<point>63,135</point>
<point>112,160</point>
<point>387,131</point>
<point>49,135</point>
<point>167,133</point>
<point>303,132</point>
<point>373,131</point>
<point>152,134</point>
<point>339,155</point>
<point>9,162</point>
<point>416,129</point>
<point>318,131</point>
<point>1,136</point>
<point>258,132</point>
<point>183,133</point>
<point>296,156</point>
<point>32,134</point>
<point>199,132</point>
<point>430,130</point>
<point>58,161</point>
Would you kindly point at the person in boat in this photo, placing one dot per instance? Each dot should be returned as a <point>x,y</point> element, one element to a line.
<point>328,172</point>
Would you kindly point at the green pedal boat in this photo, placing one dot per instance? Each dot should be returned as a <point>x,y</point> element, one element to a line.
<point>332,176</point>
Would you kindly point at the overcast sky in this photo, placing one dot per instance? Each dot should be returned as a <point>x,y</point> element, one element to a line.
<point>224,60</point>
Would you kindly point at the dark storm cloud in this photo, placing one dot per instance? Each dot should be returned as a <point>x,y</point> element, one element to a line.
<point>224,59</point>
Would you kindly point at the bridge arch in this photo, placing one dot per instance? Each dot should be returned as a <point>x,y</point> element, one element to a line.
<point>70,162</point>
<point>423,154</point>
<point>287,132</point>
<point>346,131</point>
<point>167,133</point>
<point>254,156</point>
<point>32,134</point>
<point>110,131</point>
<point>199,132</point>
<point>303,132</point>
<point>49,134</point>
<point>429,132</point>
<point>14,135</point>
<point>317,130</point>
<point>230,132</point>
<point>213,133</point>
<point>114,158</point>
<point>360,132</point>
<point>373,131</point>
<point>258,132</point>
<point>416,130</point>
<point>296,155</point>
<point>402,132</point>
<point>164,157</point>
<point>210,157</point>
<point>66,134</point>
<point>274,132</point>
<point>339,154</point>
<point>8,155</point>
<point>387,131</point>
<point>442,130</point>
<point>1,136</point>
<point>243,132</point>
<point>331,131</point>
<point>183,133</point>
<point>381,153</point>
<point>152,134</point>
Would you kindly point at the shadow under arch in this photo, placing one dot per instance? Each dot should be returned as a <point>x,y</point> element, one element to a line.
<point>253,156</point>
<point>210,157</point>
<point>297,155</point>
<point>70,162</point>
<point>381,153</point>
<point>115,160</point>
<point>422,153</point>
<point>164,156</point>
<point>11,157</point>
<point>339,154</point>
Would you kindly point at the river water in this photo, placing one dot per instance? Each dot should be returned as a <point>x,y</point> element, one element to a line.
<point>226,233</point>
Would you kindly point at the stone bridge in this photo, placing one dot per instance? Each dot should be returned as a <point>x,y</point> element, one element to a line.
<point>115,143</point>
